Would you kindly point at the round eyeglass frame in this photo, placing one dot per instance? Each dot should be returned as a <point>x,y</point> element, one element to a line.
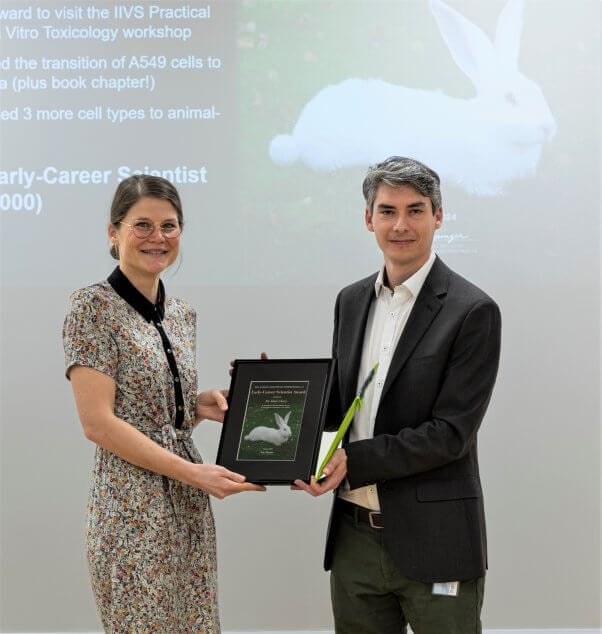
<point>139,233</point>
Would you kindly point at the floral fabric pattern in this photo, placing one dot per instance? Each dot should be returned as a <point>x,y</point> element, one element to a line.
<point>150,540</point>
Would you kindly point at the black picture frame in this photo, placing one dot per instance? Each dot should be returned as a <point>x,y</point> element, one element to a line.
<point>276,414</point>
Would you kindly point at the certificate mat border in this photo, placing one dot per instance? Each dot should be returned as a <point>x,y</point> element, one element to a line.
<point>296,440</point>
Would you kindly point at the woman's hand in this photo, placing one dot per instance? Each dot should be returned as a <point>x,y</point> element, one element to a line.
<point>211,405</point>
<point>219,481</point>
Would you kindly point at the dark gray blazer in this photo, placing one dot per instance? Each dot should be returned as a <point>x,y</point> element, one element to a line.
<point>423,456</point>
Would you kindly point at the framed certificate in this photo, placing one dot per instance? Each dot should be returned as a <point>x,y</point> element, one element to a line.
<point>273,427</point>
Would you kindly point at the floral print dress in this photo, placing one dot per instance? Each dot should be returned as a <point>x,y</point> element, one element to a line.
<point>150,540</point>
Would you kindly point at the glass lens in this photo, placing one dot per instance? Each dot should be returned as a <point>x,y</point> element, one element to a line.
<point>142,229</point>
<point>170,230</point>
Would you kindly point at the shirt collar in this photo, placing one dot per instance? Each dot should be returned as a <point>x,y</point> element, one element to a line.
<point>414,283</point>
<point>124,288</point>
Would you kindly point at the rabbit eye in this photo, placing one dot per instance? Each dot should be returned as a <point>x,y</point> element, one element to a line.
<point>511,98</point>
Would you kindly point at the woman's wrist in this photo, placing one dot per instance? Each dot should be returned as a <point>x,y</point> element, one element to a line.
<point>185,471</point>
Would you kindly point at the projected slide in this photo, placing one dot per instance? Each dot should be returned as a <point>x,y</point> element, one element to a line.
<point>265,115</point>
<point>480,144</point>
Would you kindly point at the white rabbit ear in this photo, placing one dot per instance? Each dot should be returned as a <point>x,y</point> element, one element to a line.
<point>471,49</point>
<point>508,32</point>
<point>281,422</point>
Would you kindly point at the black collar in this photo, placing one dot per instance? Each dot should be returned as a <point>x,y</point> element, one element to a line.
<point>124,288</point>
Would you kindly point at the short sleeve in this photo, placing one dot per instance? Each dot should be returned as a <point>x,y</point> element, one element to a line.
<point>87,337</point>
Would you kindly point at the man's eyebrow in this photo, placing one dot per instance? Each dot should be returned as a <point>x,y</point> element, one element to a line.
<point>416,204</point>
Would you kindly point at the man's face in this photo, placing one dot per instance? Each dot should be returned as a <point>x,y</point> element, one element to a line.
<point>403,222</point>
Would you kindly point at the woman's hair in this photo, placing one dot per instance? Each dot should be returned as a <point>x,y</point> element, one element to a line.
<point>133,188</point>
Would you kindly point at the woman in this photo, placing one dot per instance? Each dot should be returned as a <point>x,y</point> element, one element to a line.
<point>130,356</point>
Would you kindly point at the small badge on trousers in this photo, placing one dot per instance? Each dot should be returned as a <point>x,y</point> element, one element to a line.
<point>447,589</point>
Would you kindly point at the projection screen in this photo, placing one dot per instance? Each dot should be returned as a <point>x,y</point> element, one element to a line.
<point>266,114</point>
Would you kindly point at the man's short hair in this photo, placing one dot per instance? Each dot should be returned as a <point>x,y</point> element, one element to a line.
<point>399,170</point>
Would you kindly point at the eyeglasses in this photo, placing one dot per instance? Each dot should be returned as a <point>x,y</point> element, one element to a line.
<point>145,228</point>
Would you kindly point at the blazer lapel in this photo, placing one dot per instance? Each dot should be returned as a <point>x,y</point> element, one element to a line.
<point>428,304</point>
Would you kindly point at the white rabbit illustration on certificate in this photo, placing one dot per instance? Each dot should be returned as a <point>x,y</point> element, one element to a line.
<point>272,420</point>
<point>480,144</point>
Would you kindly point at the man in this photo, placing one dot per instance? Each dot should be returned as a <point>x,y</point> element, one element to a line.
<point>406,542</point>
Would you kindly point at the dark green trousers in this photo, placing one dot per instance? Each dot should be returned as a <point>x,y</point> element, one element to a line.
<point>370,596</point>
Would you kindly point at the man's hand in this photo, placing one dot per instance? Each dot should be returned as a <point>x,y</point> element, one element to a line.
<point>263,356</point>
<point>335,472</point>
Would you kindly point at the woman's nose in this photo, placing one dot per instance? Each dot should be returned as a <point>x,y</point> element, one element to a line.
<point>157,232</point>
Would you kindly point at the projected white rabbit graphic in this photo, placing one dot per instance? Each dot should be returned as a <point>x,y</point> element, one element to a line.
<point>269,434</point>
<point>480,144</point>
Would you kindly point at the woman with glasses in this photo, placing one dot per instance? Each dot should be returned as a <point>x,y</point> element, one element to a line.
<point>130,356</point>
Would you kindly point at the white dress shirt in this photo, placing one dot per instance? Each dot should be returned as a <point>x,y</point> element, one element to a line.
<point>386,320</point>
